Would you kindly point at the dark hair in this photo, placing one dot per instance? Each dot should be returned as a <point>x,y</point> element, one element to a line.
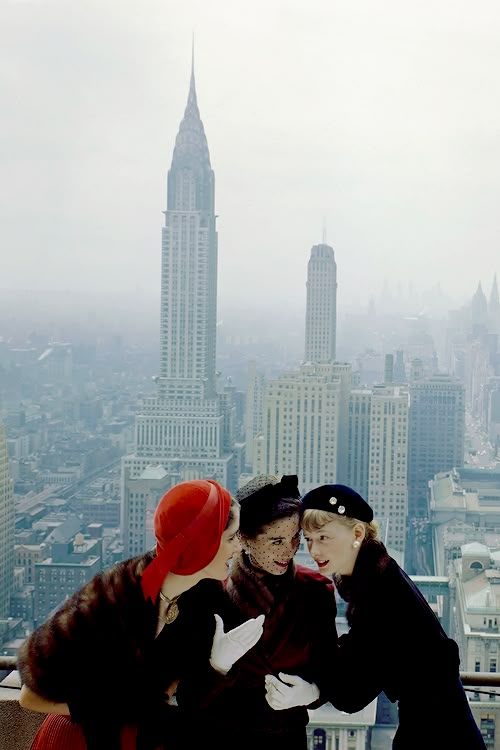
<point>266,499</point>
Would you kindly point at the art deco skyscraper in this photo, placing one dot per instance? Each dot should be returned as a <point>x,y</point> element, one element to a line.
<point>6,528</point>
<point>183,428</point>
<point>189,265</point>
<point>321,306</point>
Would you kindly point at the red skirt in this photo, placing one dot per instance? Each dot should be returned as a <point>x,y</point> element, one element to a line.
<point>58,732</point>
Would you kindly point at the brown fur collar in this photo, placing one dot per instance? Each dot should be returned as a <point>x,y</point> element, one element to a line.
<point>255,592</point>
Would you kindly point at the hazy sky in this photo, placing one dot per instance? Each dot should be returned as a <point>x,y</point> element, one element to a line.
<point>380,119</point>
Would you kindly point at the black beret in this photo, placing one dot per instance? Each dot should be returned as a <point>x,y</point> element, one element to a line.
<point>339,499</point>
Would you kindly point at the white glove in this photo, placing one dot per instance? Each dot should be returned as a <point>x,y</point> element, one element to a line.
<point>296,691</point>
<point>227,648</point>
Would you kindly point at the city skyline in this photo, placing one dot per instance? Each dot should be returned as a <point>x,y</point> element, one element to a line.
<point>377,123</point>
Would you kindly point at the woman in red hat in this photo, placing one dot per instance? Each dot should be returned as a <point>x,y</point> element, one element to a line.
<point>104,664</point>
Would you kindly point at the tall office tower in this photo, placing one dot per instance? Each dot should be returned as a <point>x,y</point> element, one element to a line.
<point>7,555</point>
<point>436,435</point>
<point>387,483</point>
<point>301,425</point>
<point>321,305</point>
<point>183,427</point>
<point>358,440</point>
<point>253,409</point>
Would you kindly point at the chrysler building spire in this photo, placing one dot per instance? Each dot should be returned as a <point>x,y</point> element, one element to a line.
<point>190,178</point>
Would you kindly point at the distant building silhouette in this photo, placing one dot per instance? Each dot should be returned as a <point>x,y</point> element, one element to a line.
<point>479,307</point>
<point>399,368</point>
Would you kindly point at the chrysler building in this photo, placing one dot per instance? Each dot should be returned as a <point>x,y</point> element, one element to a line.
<point>188,427</point>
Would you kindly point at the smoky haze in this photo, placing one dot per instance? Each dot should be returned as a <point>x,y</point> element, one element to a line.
<point>371,125</point>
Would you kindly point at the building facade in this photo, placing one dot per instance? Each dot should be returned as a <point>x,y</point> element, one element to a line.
<point>436,435</point>
<point>302,424</point>
<point>358,440</point>
<point>7,525</point>
<point>387,482</point>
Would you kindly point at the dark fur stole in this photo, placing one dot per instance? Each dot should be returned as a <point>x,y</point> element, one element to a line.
<point>255,592</point>
<point>372,560</point>
<point>91,652</point>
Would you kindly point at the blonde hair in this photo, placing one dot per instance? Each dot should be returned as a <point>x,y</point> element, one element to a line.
<point>314,519</point>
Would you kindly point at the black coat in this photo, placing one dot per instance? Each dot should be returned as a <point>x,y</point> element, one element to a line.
<point>299,629</point>
<point>397,645</point>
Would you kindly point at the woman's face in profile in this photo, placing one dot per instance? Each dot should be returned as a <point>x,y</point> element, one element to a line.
<point>229,545</point>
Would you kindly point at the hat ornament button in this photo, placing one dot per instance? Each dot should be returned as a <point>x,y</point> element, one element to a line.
<point>341,509</point>
<point>333,501</point>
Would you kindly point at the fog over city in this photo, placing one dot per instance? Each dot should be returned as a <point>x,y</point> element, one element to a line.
<point>371,125</point>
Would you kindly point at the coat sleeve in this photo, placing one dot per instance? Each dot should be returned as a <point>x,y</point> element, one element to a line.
<point>355,679</point>
<point>325,641</point>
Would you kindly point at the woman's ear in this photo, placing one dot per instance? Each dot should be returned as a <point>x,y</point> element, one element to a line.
<point>359,532</point>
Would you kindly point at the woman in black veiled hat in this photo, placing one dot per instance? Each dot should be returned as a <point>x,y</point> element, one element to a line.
<point>395,643</point>
<point>299,608</point>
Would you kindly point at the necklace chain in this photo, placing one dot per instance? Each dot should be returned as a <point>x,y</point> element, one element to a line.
<point>172,609</point>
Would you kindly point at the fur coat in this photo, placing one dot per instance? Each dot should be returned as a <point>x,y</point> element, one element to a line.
<point>99,654</point>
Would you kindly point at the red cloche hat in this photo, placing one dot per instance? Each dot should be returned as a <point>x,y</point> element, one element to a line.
<point>189,522</point>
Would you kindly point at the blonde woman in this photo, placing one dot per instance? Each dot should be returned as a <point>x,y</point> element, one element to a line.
<point>395,643</point>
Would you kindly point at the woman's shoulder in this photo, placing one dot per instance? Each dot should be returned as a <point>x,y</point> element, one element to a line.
<point>373,562</point>
<point>116,585</point>
<point>312,580</point>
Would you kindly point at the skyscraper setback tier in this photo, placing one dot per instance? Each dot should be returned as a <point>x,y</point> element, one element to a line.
<point>185,428</point>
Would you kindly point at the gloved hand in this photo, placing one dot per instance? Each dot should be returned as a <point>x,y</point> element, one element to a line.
<point>296,691</point>
<point>228,647</point>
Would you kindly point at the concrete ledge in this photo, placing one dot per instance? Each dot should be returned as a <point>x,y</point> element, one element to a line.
<point>17,726</point>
